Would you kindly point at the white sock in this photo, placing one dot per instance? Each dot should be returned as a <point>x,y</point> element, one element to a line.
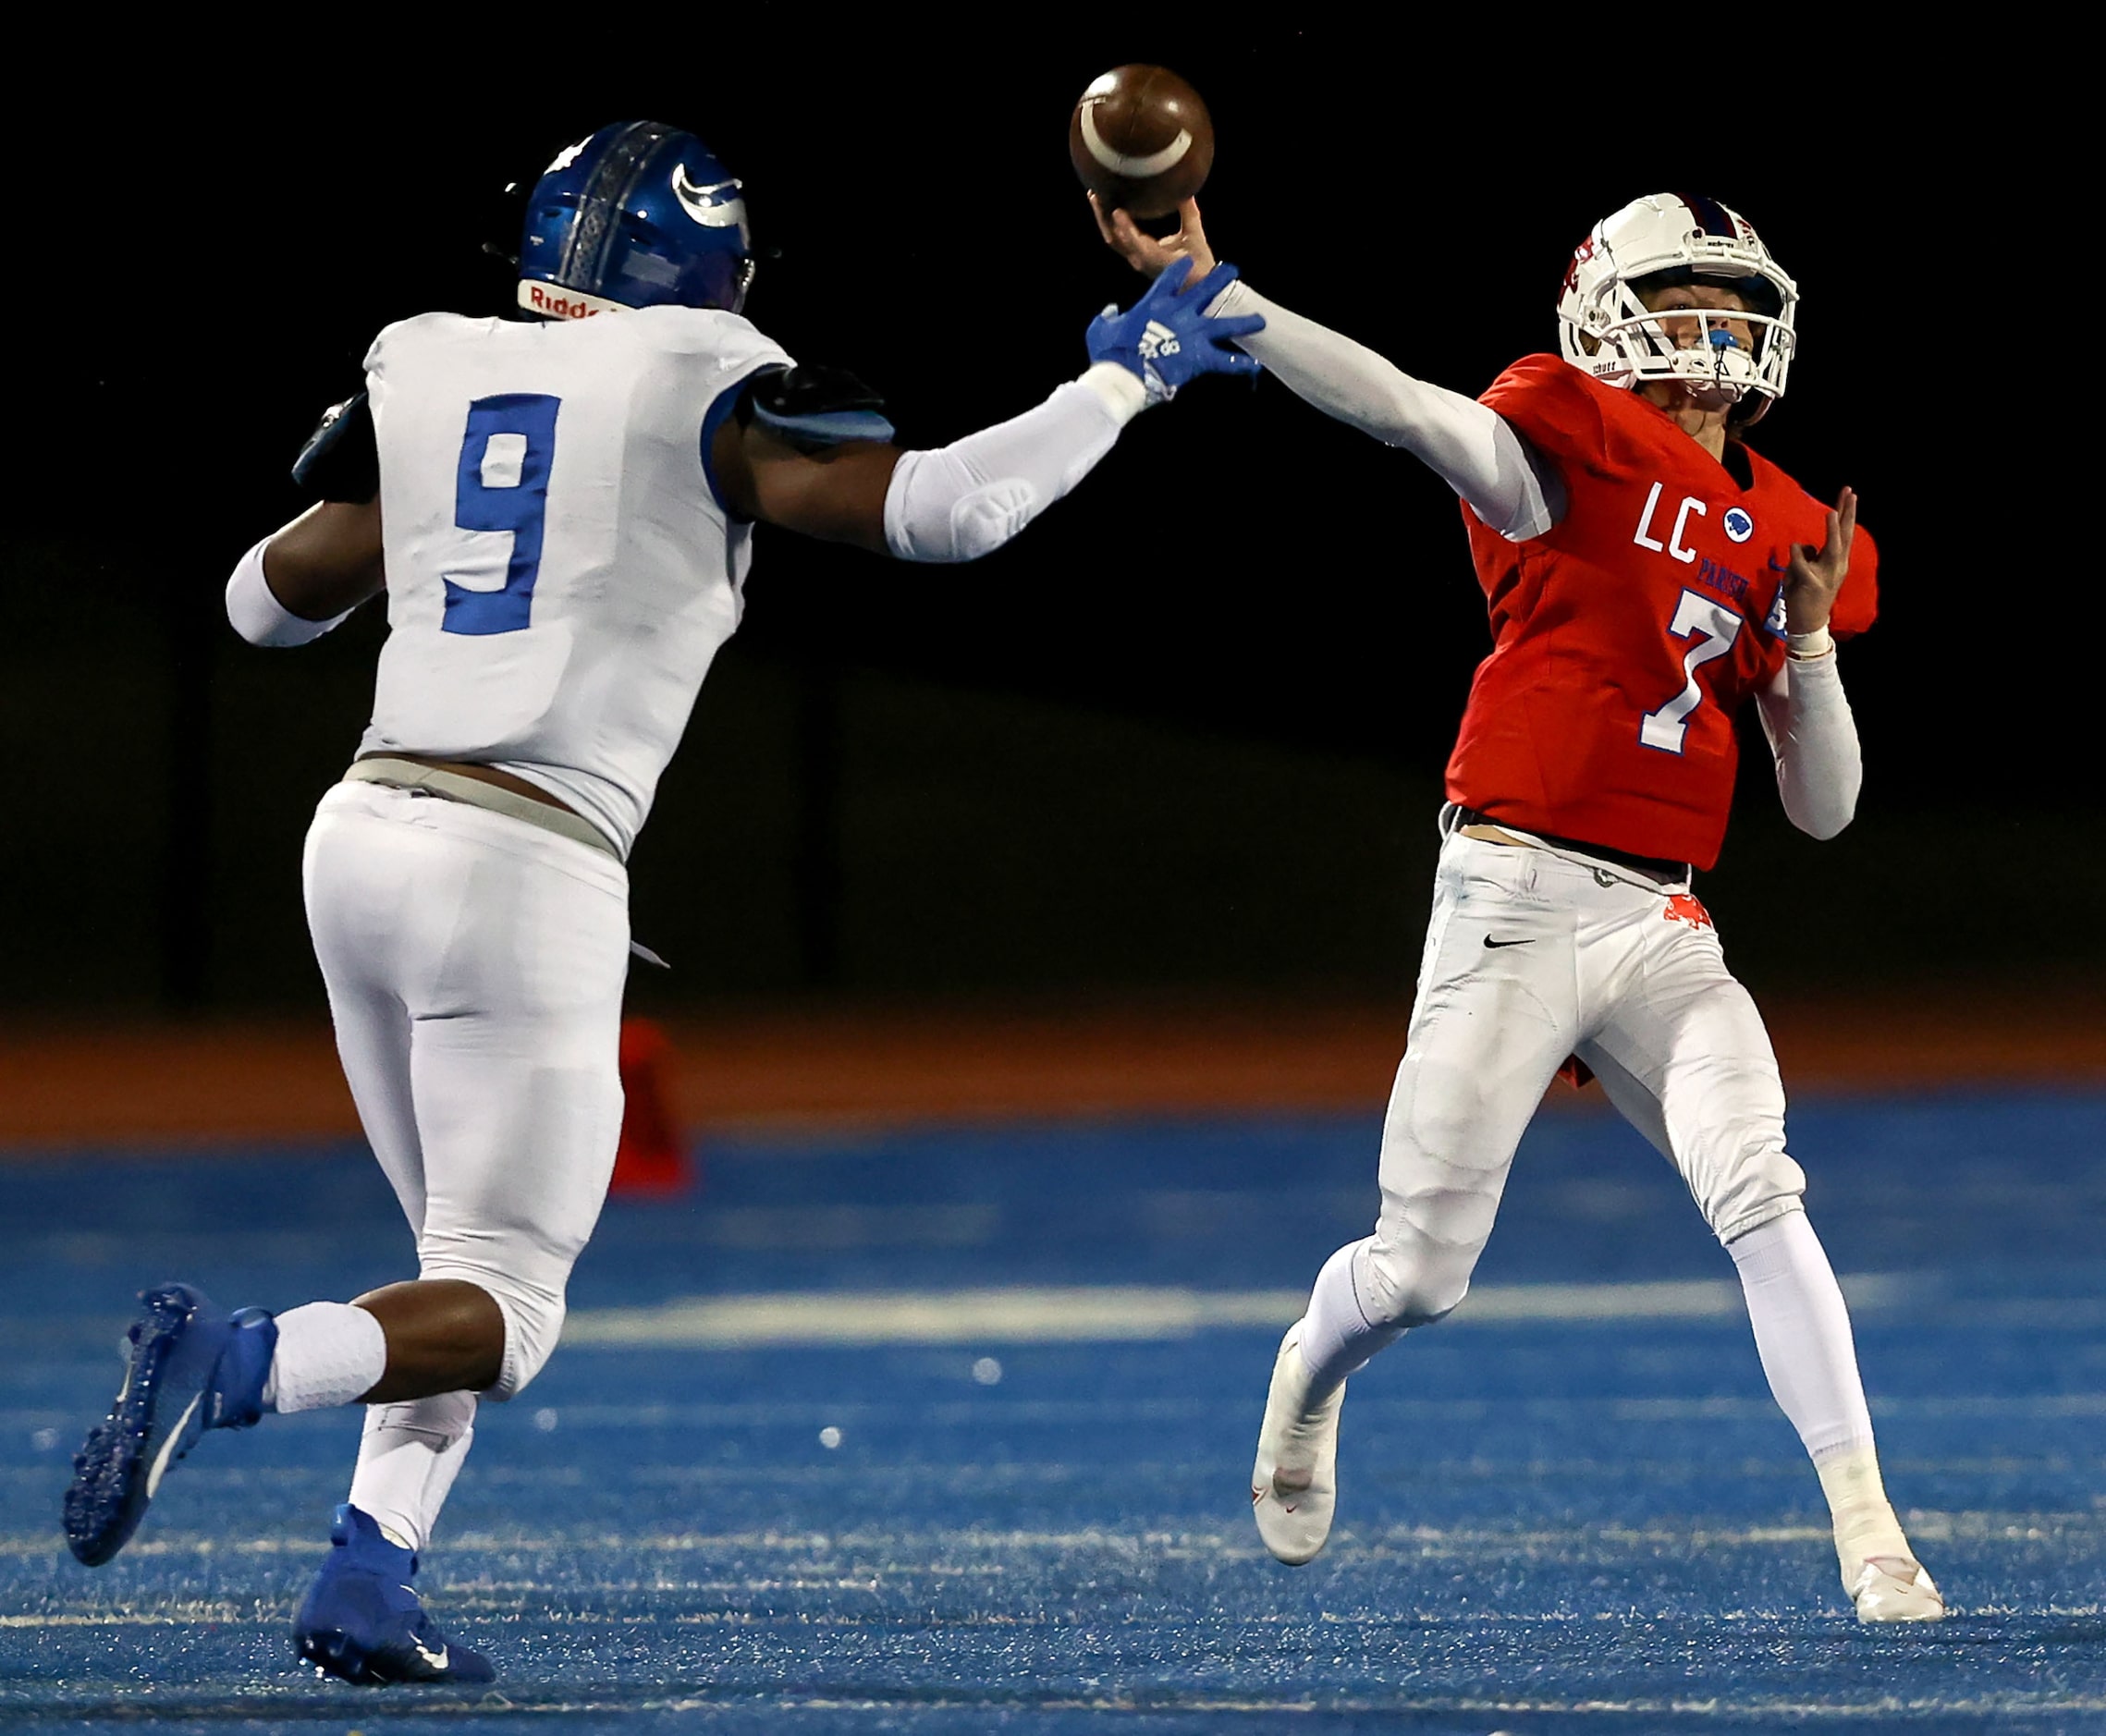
<point>1802,1330</point>
<point>328,1353</point>
<point>1865,1524</point>
<point>408,1461</point>
<point>1336,1338</point>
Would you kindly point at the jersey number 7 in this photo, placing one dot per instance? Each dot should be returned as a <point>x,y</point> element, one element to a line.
<point>503,485</point>
<point>1714,629</point>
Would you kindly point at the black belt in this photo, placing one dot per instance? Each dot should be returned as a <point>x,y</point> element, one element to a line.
<point>1668,873</point>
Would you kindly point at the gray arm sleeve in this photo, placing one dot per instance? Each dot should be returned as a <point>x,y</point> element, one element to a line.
<point>1474,449</point>
<point>1813,739</point>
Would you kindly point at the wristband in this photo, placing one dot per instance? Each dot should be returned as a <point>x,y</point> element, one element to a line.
<point>1803,646</point>
<point>1122,391</point>
<point>257,615</point>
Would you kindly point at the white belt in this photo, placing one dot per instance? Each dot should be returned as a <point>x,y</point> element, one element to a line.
<point>412,775</point>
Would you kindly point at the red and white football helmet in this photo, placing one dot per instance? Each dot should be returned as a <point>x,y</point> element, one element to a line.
<point>1662,240</point>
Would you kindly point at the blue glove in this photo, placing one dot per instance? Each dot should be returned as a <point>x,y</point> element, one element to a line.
<point>1166,336</point>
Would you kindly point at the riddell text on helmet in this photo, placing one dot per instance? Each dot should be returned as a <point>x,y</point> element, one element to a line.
<point>562,307</point>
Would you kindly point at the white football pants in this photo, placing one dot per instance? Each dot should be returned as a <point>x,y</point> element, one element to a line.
<point>1531,957</point>
<point>475,966</point>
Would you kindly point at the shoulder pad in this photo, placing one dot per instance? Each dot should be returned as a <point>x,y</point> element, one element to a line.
<point>816,407</point>
<point>341,459</point>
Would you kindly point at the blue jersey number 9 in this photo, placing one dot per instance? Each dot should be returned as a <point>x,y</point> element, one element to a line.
<point>503,485</point>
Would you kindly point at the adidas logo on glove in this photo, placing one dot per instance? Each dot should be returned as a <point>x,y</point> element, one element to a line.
<point>1157,339</point>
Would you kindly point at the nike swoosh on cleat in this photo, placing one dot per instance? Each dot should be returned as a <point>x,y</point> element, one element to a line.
<point>159,1468</point>
<point>1523,942</point>
<point>435,1659</point>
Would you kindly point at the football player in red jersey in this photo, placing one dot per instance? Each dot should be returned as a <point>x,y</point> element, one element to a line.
<point>1647,572</point>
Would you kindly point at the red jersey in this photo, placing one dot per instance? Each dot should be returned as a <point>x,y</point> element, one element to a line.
<point>1626,637</point>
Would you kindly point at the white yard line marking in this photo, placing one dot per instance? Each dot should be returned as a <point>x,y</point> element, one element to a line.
<point>578,1550</point>
<point>965,1316</point>
<point>1087,1313</point>
<point>135,1618</point>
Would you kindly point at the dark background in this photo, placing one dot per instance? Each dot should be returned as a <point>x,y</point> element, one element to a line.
<point>1186,735</point>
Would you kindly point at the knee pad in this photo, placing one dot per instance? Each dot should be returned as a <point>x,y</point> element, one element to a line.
<point>534,1321</point>
<point>1403,1278</point>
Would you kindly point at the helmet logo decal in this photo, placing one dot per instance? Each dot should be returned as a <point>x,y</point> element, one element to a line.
<point>1739,525</point>
<point>716,206</point>
<point>1712,218</point>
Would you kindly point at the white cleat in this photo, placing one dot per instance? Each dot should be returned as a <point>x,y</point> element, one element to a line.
<point>1894,1588</point>
<point>1294,1483</point>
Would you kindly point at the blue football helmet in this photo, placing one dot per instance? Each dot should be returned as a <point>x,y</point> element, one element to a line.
<point>637,215</point>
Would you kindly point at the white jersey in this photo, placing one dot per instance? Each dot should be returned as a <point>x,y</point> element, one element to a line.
<point>560,572</point>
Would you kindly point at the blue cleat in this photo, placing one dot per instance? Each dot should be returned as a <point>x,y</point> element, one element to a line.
<point>361,1620</point>
<point>192,1367</point>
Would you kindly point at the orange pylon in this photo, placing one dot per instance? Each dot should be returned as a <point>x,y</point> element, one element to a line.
<point>651,1158</point>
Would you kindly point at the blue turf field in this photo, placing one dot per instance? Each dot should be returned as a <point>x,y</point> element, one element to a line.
<point>1573,1507</point>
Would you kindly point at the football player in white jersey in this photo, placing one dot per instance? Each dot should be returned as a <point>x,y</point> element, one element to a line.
<point>559,510</point>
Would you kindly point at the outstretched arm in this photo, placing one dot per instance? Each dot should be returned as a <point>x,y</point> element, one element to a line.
<point>949,504</point>
<point>1475,450</point>
<point>961,501</point>
<point>1813,738</point>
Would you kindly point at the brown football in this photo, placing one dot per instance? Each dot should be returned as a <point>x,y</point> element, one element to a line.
<point>1141,140</point>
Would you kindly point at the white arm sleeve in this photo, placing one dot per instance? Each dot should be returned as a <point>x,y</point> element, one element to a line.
<point>1814,739</point>
<point>964,500</point>
<point>1475,450</point>
<point>258,616</point>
